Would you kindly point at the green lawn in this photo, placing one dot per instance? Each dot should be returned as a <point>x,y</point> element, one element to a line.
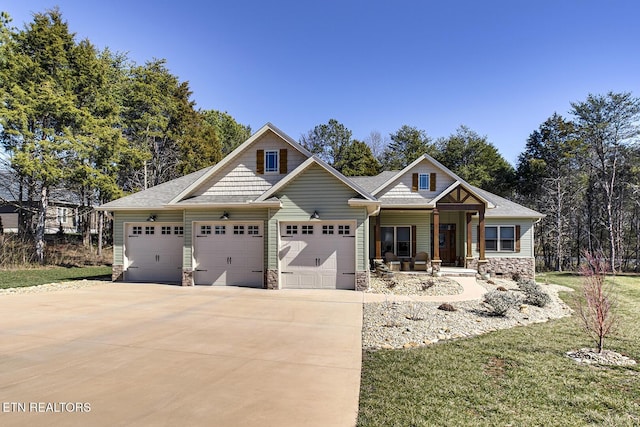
<point>518,377</point>
<point>40,276</point>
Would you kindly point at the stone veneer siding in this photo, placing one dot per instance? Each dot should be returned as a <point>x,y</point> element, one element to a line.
<point>187,277</point>
<point>362,280</point>
<point>525,267</point>
<point>117,272</point>
<point>271,279</point>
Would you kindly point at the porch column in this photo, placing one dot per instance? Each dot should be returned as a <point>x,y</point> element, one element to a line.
<point>376,237</point>
<point>481,234</point>
<point>482,261</point>
<point>436,262</point>
<point>469,234</point>
<point>436,235</point>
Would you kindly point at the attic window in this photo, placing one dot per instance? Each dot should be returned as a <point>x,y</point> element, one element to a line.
<point>271,161</point>
<point>423,181</point>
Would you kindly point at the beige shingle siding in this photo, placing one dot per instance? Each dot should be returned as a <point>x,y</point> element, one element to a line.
<point>402,187</point>
<point>239,177</point>
<point>235,215</point>
<point>316,189</point>
<point>122,217</point>
<point>526,237</point>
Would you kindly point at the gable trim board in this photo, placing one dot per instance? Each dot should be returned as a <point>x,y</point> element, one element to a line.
<point>301,187</point>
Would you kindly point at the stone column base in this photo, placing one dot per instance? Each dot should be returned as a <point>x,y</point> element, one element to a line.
<point>362,280</point>
<point>483,268</point>
<point>117,273</point>
<point>187,277</point>
<point>271,279</point>
<point>435,266</point>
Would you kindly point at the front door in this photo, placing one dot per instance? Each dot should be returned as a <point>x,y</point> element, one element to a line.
<point>448,244</point>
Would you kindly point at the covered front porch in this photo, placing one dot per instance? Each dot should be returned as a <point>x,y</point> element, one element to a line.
<point>445,233</point>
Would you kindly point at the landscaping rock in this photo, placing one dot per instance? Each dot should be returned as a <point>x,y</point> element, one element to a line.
<point>470,319</point>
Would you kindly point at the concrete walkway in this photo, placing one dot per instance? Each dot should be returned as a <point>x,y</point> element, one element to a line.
<point>471,291</point>
<point>141,354</point>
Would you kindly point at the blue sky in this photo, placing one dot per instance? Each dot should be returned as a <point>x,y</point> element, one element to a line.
<point>499,67</point>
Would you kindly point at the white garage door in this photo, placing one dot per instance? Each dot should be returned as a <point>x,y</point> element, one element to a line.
<point>153,252</point>
<point>317,255</point>
<point>228,254</point>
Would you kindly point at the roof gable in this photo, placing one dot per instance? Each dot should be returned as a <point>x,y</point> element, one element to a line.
<point>416,162</point>
<point>306,165</point>
<point>235,164</point>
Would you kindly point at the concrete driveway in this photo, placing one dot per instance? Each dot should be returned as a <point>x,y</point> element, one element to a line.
<point>140,354</point>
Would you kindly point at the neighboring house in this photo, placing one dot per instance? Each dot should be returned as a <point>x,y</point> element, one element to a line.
<point>272,215</point>
<point>62,213</point>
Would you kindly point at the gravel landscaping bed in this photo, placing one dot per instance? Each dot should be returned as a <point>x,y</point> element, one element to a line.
<point>390,325</point>
<point>414,284</point>
<point>50,287</point>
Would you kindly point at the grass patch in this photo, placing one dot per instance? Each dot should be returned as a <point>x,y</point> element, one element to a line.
<point>518,376</point>
<point>41,276</point>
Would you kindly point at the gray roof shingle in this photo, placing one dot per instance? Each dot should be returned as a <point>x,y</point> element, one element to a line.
<point>158,196</point>
<point>370,183</point>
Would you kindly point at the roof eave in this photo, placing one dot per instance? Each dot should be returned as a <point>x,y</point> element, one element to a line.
<point>373,207</point>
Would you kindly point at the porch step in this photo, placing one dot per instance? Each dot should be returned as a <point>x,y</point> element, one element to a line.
<point>457,272</point>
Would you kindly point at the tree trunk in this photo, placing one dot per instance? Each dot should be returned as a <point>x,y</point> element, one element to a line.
<point>40,226</point>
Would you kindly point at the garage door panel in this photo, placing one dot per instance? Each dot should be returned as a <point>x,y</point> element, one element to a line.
<point>154,252</point>
<point>316,260</point>
<point>233,257</point>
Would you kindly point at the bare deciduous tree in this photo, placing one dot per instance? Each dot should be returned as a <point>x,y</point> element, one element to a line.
<point>596,306</point>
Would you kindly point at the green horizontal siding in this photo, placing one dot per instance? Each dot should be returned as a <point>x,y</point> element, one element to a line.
<point>526,237</point>
<point>317,190</point>
<point>421,219</point>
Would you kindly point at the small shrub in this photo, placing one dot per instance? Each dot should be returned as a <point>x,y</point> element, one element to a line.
<point>491,282</point>
<point>501,289</point>
<point>516,277</point>
<point>415,311</point>
<point>446,307</point>
<point>534,295</point>
<point>539,298</point>
<point>501,302</point>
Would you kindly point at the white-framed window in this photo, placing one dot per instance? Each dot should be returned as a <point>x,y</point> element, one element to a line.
<point>344,229</point>
<point>423,181</point>
<point>500,238</point>
<point>221,229</point>
<point>253,230</point>
<point>165,229</point>
<point>205,229</point>
<point>327,229</point>
<point>307,229</point>
<point>62,215</point>
<point>178,230</point>
<point>238,229</point>
<point>149,230</point>
<point>396,240</point>
<point>271,161</point>
<point>136,230</point>
<point>292,229</point>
